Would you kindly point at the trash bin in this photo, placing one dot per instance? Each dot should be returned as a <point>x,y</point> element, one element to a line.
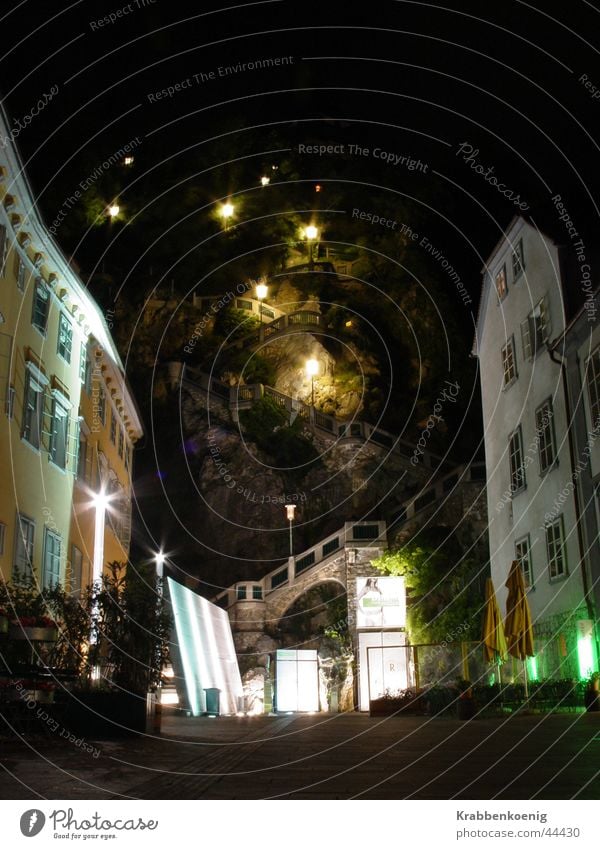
<point>213,698</point>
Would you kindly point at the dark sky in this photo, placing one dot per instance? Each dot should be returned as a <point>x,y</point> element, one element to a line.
<point>411,78</point>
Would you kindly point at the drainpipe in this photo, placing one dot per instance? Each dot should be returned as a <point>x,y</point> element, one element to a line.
<point>578,519</point>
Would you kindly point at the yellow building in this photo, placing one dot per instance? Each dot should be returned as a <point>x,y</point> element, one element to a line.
<point>68,422</point>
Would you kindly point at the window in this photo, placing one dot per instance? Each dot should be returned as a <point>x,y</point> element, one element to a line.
<point>20,272</point>
<point>2,537</point>
<point>9,405</point>
<point>545,435</point>
<point>51,569</point>
<point>501,287</point>
<point>65,338</point>
<point>593,382</point>
<point>517,468</point>
<point>3,250</point>
<point>60,434</point>
<point>555,549</point>
<point>121,443</point>
<point>76,571</point>
<point>523,555</point>
<point>257,593</point>
<point>41,303</point>
<point>509,365</point>
<point>241,593</point>
<point>33,410</point>
<point>518,261</point>
<point>536,329</point>
<point>102,405</point>
<point>23,567</point>
<point>113,427</point>
<point>88,373</point>
<point>81,456</point>
<point>82,362</point>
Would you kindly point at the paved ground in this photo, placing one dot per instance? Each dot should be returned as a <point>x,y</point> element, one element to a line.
<point>319,757</point>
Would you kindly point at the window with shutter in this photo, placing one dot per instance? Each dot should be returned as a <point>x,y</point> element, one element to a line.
<point>523,555</point>
<point>33,408</point>
<point>555,548</point>
<point>65,338</point>
<point>518,260</point>
<point>545,435</point>
<point>51,568</point>
<point>526,338</point>
<point>517,467</point>
<point>20,272</point>
<point>501,286</point>
<point>41,305</point>
<point>23,560</point>
<point>60,433</point>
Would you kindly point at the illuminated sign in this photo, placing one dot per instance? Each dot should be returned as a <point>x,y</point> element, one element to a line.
<point>206,651</point>
<point>380,602</point>
<point>297,680</point>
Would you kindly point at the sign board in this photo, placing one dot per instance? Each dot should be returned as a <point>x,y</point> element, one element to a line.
<point>380,602</point>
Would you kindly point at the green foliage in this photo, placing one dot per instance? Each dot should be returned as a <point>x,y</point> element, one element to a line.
<point>445,591</point>
<point>266,425</point>
<point>253,368</point>
<point>233,324</point>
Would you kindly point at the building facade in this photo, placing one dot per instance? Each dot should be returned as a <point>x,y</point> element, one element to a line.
<point>533,486</point>
<point>68,421</point>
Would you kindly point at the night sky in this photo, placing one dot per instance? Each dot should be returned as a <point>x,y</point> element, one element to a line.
<point>411,97</point>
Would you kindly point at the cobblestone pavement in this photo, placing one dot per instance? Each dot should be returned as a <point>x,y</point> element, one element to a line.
<point>323,756</point>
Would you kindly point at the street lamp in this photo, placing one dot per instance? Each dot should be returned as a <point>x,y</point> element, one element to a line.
<point>113,210</point>
<point>160,560</point>
<point>290,509</point>
<point>312,369</point>
<point>311,234</point>
<point>264,181</point>
<point>226,212</point>
<point>262,290</point>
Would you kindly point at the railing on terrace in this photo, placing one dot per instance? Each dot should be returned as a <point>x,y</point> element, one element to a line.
<point>352,535</point>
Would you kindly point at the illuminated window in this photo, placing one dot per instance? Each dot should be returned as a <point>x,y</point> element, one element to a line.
<point>23,564</point>
<point>555,549</point>
<point>545,434</point>
<point>508,362</point>
<point>517,468</point>
<point>52,547</point>
<point>41,304</point>
<point>536,329</point>
<point>32,410</point>
<point>523,555</point>
<point>60,434</point>
<point>518,261</point>
<point>501,287</point>
<point>65,338</point>
<point>593,383</point>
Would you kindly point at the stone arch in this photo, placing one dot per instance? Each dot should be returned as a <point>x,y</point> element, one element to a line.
<point>277,602</point>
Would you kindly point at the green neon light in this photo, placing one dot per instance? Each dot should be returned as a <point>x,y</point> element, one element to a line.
<point>532,668</point>
<point>585,656</point>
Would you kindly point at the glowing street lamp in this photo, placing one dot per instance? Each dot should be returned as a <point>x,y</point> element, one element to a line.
<point>312,369</point>
<point>264,181</point>
<point>226,212</point>
<point>311,234</point>
<point>290,510</point>
<point>262,290</point>
<point>160,560</point>
<point>113,210</point>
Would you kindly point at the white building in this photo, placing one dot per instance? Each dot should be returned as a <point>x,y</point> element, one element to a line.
<point>533,481</point>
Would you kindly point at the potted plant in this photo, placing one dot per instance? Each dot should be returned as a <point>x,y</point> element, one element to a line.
<point>592,693</point>
<point>465,706</point>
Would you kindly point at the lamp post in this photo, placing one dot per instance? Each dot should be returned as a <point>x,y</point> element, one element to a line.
<point>290,509</point>
<point>312,368</point>
<point>226,212</point>
<point>262,290</point>
<point>113,210</point>
<point>311,234</point>
<point>264,181</point>
<point>160,560</point>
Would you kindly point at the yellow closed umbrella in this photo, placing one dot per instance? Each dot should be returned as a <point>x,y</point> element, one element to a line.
<point>517,625</point>
<point>494,642</point>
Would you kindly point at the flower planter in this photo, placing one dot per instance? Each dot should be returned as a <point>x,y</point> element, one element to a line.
<point>33,634</point>
<point>411,704</point>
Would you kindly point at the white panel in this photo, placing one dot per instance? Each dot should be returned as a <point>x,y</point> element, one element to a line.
<point>382,664</point>
<point>380,602</point>
<point>297,680</point>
